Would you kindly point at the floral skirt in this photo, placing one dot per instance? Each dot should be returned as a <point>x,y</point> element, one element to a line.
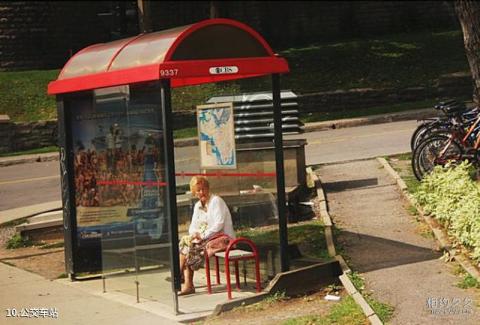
<point>195,250</point>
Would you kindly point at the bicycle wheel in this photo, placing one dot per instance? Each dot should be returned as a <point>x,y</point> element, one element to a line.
<point>421,129</point>
<point>426,130</point>
<point>436,150</point>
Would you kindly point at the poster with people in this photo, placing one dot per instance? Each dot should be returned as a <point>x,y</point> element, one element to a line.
<point>118,165</point>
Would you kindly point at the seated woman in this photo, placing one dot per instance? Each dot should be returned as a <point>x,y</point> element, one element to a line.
<point>211,230</point>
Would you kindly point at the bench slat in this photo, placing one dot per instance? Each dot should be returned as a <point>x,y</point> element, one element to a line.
<point>235,253</point>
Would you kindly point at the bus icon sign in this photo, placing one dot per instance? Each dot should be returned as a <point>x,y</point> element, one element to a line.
<point>223,70</point>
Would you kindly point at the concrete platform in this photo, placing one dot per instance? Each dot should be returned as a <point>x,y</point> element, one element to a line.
<point>156,296</point>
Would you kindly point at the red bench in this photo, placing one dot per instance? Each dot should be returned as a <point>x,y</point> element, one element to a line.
<point>231,254</point>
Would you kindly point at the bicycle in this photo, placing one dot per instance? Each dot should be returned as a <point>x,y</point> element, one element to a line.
<point>460,142</point>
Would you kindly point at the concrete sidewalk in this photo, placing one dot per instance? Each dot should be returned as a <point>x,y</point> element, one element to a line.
<point>309,127</point>
<point>28,211</point>
<point>27,292</point>
<point>384,245</point>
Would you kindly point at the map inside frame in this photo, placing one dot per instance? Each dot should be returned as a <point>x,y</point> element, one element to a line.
<point>216,136</point>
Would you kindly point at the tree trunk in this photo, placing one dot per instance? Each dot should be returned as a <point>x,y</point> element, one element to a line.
<point>214,10</point>
<point>468,13</point>
<point>144,16</point>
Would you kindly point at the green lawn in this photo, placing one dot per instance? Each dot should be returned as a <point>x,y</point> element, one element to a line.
<point>398,61</point>
<point>24,95</point>
<point>347,312</point>
<point>309,236</point>
<point>30,152</point>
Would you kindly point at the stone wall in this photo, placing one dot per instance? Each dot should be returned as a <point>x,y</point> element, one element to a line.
<point>6,133</point>
<point>25,136</point>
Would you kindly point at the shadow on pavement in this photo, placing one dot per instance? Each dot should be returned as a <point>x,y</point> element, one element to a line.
<point>368,253</point>
<point>348,185</point>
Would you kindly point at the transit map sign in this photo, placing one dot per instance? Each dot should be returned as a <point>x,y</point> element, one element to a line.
<point>216,136</point>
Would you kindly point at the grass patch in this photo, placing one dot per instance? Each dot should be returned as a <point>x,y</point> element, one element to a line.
<point>412,183</point>
<point>392,61</point>
<point>185,133</point>
<point>468,281</point>
<point>359,112</point>
<point>402,156</point>
<point>401,164</point>
<point>309,237</point>
<point>412,210</point>
<point>357,280</point>
<point>268,301</point>
<point>384,311</point>
<point>30,152</point>
<point>24,95</point>
<point>18,241</point>
<point>346,312</point>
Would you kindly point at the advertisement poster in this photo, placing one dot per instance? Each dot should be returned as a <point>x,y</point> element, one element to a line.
<point>118,164</point>
<point>216,136</point>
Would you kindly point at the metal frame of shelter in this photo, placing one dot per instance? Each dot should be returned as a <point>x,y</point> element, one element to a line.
<point>209,51</point>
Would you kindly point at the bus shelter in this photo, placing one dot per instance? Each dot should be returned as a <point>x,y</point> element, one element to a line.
<point>123,210</point>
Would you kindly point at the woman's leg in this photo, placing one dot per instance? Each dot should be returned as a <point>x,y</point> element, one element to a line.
<point>188,287</point>
<point>183,260</point>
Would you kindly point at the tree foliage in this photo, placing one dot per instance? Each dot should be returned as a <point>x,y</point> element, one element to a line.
<point>453,198</point>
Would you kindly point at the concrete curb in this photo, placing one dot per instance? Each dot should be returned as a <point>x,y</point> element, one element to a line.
<point>7,216</point>
<point>14,160</point>
<point>373,119</point>
<point>439,233</point>
<point>309,127</point>
<point>346,282</point>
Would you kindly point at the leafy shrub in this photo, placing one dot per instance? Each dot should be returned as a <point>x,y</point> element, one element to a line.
<point>453,198</point>
<point>18,241</point>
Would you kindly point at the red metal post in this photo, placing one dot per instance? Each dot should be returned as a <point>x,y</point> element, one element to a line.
<point>207,271</point>
<point>227,273</point>
<point>237,277</point>
<point>217,270</point>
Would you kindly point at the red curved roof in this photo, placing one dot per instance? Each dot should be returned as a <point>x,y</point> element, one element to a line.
<point>209,51</point>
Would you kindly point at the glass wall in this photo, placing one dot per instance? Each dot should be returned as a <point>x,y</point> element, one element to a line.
<point>120,189</point>
<point>242,172</point>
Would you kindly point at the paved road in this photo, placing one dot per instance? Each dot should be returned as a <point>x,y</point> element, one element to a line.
<point>28,184</point>
<point>35,183</point>
<point>358,142</point>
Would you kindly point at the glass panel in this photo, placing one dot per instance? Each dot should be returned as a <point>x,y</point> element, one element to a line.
<point>93,60</point>
<point>120,186</point>
<point>150,217</point>
<point>148,49</point>
<point>248,187</point>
